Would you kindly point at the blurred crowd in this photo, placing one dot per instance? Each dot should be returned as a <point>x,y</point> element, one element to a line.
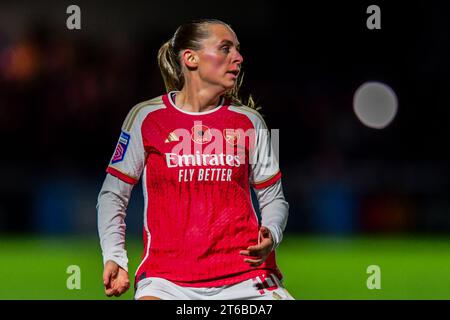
<point>60,95</point>
<point>63,97</point>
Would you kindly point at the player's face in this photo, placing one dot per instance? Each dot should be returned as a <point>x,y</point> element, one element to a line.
<point>219,58</point>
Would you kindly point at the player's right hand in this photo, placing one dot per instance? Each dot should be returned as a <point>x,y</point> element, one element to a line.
<point>115,279</point>
<point>261,251</point>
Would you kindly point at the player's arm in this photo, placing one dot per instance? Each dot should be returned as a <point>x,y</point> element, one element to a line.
<point>111,212</point>
<point>274,210</point>
<point>124,171</point>
<point>265,178</point>
<point>274,215</point>
<point>112,203</point>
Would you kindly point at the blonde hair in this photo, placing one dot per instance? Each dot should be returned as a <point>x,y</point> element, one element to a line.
<point>189,36</point>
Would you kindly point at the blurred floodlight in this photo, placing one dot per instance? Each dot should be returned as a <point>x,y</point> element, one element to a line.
<point>375,104</point>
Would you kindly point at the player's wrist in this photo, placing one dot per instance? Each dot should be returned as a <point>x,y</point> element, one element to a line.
<point>273,237</point>
<point>119,262</point>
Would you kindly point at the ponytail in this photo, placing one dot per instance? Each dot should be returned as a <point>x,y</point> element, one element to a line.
<point>170,67</point>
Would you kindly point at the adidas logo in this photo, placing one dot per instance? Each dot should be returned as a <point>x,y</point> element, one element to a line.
<point>172,137</point>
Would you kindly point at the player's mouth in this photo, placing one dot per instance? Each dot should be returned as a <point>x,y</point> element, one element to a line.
<point>235,73</point>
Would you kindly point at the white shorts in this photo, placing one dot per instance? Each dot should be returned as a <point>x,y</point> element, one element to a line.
<point>252,289</point>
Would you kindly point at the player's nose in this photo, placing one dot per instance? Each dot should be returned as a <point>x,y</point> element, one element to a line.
<point>238,58</point>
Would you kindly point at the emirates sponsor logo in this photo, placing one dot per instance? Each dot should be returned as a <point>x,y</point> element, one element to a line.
<point>174,160</point>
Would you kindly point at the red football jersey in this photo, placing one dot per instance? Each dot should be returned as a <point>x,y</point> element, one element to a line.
<point>197,170</point>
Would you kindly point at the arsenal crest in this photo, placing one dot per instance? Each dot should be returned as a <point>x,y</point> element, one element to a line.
<point>201,134</point>
<point>231,136</point>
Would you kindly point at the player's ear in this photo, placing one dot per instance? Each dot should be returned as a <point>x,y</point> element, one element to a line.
<point>190,58</point>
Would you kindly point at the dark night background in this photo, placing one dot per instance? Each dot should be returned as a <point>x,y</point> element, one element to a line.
<point>64,95</point>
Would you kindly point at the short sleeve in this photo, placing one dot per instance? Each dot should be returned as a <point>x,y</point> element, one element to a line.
<point>128,159</point>
<point>264,166</point>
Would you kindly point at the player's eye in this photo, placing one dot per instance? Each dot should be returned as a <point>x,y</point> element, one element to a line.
<point>225,49</point>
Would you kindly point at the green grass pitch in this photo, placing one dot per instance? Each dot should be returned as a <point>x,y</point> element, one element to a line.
<point>313,267</point>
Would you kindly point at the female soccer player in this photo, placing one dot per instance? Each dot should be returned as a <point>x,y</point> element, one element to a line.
<point>199,150</point>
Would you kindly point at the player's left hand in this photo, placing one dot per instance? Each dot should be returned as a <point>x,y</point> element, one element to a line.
<point>115,279</point>
<point>261,251</point>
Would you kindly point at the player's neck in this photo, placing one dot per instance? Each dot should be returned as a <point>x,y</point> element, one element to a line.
<point>197,100</point>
